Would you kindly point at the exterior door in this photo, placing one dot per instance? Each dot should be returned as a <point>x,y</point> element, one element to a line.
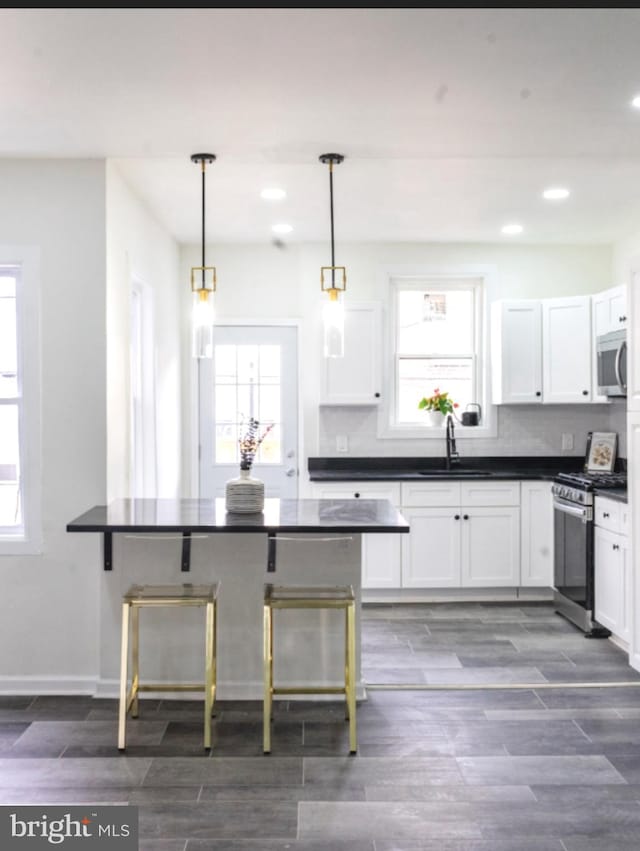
<point>253,373</point>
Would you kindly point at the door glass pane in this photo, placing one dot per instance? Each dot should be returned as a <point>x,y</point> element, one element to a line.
<point>8,341</point>
<point>419,377</point>
<point>247,384</point>
<point>435,322</point>
<point>10,505</point>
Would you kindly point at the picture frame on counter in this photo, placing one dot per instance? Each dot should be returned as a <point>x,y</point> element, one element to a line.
<point>601,451</point>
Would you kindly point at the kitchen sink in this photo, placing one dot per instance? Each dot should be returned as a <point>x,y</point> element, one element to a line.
<point>456,471</point>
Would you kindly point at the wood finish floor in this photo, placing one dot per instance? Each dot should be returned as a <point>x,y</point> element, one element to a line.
<point>532,769</point>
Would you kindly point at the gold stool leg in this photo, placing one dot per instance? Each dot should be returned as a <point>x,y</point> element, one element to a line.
<point>346,665</point>
<point>135,668</point>
<point>351,687</point>
<point>208,686</point>
<point>124,659</point>
<point>268,677</point>
<point>214,684</point>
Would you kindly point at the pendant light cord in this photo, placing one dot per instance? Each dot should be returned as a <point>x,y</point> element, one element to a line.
<point>333,248</point>
<point>204,171</point>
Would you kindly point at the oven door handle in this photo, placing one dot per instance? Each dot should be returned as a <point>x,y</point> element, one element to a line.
<point>621,385</point>
<point>575,511</point>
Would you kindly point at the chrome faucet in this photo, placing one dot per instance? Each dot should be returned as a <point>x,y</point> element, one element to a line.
<point>452,454</point>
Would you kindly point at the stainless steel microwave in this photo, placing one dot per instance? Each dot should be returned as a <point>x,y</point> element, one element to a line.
<point>612,363</point>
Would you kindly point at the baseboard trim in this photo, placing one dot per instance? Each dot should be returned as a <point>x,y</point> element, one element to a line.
<point>47,686</point>
<point>110,689</point>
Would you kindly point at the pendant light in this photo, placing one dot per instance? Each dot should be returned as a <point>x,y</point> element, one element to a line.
<point>333,281</point>
<point>203,283</point>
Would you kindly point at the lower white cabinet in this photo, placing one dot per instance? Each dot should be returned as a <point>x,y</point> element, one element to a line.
<point>612,581</point>
<point>536,522</point>
<point>468,547</point>
<point>463,534</point>
<point>490,540</point>
<point>380,553</point>
<point>612,567</point>
<point>431,551</point>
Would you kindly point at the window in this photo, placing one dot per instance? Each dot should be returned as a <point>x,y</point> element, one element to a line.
<point>19,408</point>
<point>247,384</point>
<point>438,344</point>
<point>10,488</point>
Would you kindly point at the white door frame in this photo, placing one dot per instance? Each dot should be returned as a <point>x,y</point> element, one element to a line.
<point>195,396</point>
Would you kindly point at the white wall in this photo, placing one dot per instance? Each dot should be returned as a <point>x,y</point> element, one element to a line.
<point>139,247</point>
<point>264,281</point>
<point>49,602</point>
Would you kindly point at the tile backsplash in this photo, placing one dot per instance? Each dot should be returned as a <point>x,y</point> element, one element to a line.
<point>522,430</point>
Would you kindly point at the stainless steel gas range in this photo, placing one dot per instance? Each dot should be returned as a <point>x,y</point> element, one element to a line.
<point>573,496</point>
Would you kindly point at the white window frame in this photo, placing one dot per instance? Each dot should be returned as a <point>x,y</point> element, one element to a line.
<point>28,540</point>
<point>405,277</point>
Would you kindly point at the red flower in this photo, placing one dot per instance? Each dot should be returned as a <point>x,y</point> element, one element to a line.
<point>455,405</point>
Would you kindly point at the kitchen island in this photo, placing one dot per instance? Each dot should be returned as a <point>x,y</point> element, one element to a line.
<point>292,542</point>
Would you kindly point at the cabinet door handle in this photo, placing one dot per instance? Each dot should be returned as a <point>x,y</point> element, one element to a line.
<point>538,393</point>
<point>623,319</point>
<point>585,392</point>
<point>616,546</point>
<point>377,395</point>
<point>456,517</point>
<point>465,516</point>
<point>356,495</point>
<point>605,513</point>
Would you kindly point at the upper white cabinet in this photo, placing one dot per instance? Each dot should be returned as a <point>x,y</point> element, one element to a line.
<point>566,350</point>
<point>610,311</point>
<point>355,379</point>
<point>542,351</point>
<point>516,342</point>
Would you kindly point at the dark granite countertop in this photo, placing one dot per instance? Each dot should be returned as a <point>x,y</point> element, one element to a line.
<point>208,515</point>
<point>618,494</point>
<point>433,469</point>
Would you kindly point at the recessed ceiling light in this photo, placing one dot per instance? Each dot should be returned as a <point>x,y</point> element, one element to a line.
<point>636,102</point>
<point>273,193</point>
<point>281,228</point>
<point>512,230</point>
<point>556,193</point>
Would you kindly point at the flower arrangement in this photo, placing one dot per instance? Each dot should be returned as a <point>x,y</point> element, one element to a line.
<point>250,441</point>
<point>438,402</point>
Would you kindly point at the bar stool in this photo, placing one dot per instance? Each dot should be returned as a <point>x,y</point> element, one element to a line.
<point>156,596</point>
<point>341,597</point>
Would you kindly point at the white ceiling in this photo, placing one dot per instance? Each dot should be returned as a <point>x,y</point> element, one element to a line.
<point>452,121</point>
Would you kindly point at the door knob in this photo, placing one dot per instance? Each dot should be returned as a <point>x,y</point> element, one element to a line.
<point>290,471</point>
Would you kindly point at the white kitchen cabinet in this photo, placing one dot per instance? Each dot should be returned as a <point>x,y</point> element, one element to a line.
<point>536,543</point>
<point>612,582</point>
<point>381,554</point>
<point>609,310</point>
<point>516,352</point>
<point>542,351</point>
<point>355,379</point>
<point>431,550</point>
<point>470,539</point>
<point>490,541</point>
<point>566,350</point>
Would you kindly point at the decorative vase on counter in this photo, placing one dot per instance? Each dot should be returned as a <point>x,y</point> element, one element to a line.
<point>244,495</point>
<point>434,419</point>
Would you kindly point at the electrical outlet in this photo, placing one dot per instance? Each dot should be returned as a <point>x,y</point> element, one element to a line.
<point>342,443</point>
<point>567,441</point>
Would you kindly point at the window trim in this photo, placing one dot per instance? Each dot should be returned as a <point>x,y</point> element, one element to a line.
<point>27,260</point>
<point>463,277</point>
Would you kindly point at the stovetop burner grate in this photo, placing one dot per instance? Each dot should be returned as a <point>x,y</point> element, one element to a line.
<point>593,480</point>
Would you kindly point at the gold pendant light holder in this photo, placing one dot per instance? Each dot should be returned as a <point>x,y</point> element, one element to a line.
<point>203,281</point>
<point>333,280</point>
